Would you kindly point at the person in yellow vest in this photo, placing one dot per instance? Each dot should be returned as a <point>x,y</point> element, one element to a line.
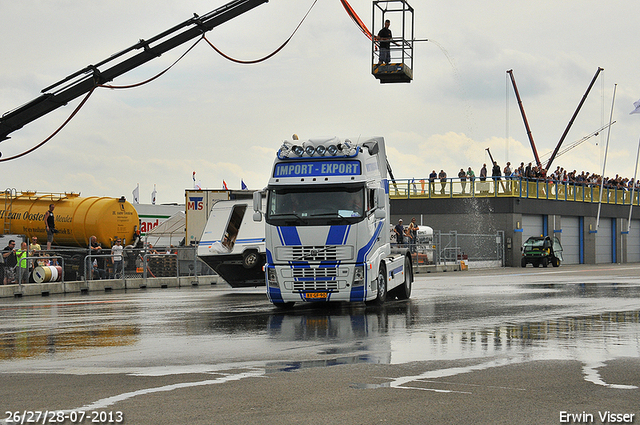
<point>22,269</point>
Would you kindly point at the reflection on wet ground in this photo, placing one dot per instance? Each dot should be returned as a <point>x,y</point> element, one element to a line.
<point>202,328</point>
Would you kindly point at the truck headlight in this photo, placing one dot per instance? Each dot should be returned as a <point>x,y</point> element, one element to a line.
<point>272,277</point>
<point>358,276</point>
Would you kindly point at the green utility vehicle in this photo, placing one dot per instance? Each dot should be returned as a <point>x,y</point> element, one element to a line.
<point>541,250</point>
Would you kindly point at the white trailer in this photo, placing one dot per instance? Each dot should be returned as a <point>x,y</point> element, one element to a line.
<point>232,244</point>
<point>326,222</point>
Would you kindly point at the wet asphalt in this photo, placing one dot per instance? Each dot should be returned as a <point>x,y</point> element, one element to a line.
<point>541,346</point>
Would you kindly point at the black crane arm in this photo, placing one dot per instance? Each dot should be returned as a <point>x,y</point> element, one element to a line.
<point>84,80</point>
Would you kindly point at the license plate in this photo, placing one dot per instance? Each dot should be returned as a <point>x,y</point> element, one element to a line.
<point>316,295</point>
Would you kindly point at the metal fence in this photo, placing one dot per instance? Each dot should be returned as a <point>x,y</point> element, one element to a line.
<point>453,247</point>
<point>144,263</point>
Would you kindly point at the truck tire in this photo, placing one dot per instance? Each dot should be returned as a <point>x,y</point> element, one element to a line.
<point>381,296</point>
<point>555,262</point>
<point>545,262</point>
<point>403,292</point>
<point>250,259</point>
<point>523,262</point>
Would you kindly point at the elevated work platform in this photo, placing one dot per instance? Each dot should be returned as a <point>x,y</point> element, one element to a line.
<point>392,73</point>
<point>392,45</point>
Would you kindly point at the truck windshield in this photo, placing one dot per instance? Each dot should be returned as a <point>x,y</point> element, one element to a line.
<point>315,205</point>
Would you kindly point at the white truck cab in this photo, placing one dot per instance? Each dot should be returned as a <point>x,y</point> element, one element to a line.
<point>326,222</point>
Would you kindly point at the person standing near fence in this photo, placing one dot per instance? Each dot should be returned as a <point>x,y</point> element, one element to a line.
<point>399,231</point>
<point>413,234</point>
<point>22,269</point>
<point>116,252</point>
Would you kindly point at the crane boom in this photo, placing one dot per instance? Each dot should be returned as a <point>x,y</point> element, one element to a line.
<point>524,118</point>
<point>575,114</point>
<point>86,79</point>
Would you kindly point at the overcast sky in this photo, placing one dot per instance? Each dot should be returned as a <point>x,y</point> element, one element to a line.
<point>225,120</point>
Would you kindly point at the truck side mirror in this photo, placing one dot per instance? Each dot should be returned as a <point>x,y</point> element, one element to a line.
<point>257,206</point>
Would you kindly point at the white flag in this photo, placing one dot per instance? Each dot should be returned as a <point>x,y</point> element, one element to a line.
<point>637,110</point>
<point>136,194</point>
<point>153,195</point>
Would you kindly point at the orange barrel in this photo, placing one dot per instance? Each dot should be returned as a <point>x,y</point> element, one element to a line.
<point>76,218</point>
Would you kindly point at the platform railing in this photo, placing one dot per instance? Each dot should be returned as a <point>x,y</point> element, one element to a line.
<point>510,187</point>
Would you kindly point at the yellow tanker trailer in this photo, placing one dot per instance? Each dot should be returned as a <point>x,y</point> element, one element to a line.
<point>76,218</point>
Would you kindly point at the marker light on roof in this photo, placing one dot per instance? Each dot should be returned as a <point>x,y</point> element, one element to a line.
<point>320,150</point>
<point>332,150</point>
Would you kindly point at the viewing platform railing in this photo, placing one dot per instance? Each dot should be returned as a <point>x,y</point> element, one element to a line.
<point>510,187</point>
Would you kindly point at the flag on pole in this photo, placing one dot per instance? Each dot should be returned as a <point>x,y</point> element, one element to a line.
<point>153,195</point>
<point>224,185</point>
<point>136,194</point>
<point>242,185</point>
<point>637,106</point>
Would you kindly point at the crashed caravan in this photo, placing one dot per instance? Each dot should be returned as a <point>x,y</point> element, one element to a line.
<point>232,244</point>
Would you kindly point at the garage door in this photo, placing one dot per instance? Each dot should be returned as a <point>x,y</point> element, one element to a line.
<point>633,242</point>
<point>603,242</point>
<point>531,226</point>
<point>570,239</point>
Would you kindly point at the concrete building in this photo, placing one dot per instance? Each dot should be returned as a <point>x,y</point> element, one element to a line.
<point>523,209</point>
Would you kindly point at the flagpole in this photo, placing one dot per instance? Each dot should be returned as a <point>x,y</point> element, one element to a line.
<point>606,150</point>
<point>633,187</point>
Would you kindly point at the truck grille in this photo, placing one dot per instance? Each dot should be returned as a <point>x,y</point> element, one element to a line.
<point>314,253</point>
<point>322,273</point>
<point>315,279</point>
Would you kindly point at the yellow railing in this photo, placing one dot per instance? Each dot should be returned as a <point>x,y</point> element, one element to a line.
<point>508,188</point>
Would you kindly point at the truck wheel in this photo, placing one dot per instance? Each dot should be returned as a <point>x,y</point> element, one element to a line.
<point>555,262</point>
<point>250,259</point>
<point>545,262</point>
<point>381,297</point>
<point>523,262</point>
<point>403,292</point>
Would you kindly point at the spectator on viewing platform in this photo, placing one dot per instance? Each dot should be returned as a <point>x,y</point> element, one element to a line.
<point>432,181</point>
<point>483,172</point>
<point>443,181</point>
<point>472,176</point>
<point>463,179</point>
